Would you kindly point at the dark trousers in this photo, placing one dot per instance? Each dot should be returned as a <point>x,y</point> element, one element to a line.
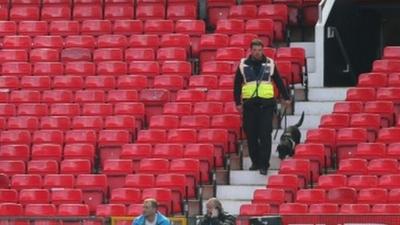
<point>257,124</point>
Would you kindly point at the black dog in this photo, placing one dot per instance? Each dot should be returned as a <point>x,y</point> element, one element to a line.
<point>289,139</point>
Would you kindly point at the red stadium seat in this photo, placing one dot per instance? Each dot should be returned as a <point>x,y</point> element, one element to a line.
<point>372,80</point>
<point>171,54</point>
<point>391,52</point>
<point>158,27</point>
<point>40,210</point>
<point>279,14</point>
<point>388,135</point>
<point>219,138</point>
<point>65,109</point>
<point>372,196</point>
<point>73,210</point>
<point>11,209</point>
<point>116,169</point>
<point>107,54</point>
<point>394,195</point>
<point>324,208</point>
<point>289,182</point>
<point>230,54</point>
<point>48,137</point>
<point>168,151</point>
<point>384,108</point>
<point>383,166</point>
<point>182,136</point>
<point>44,54</point>
<point>64,27</point>
<point>310,196</point>
<point>76,54</point>
<point>125,196</point>
<point>94,187</point>
<point>79,151</point>
<point>140,181</point>
<point>55,12</point>
<point>298,61</point>
<point>21,13</point>
<point>172,83</point>
<point>66,196</point>
<point>13,55</point>
<point>371,150</point>
<point>75,166</point>
<point>144,41</point>
<point>89,96</point>
<point>136,152</point>
<point>80,68</point>
<point>83,12</point>
<point>112,41</point>
<point>393,80</point>
<point>177,108</point>
<point>96,27</point>
<point>272,196</point>
<point>347,140</point>
<point>54,41</point>
<point>111,68</point>
<point>17,42</point>
<point>342,195</point>
<point>122,95</point>
<point>335,121</point>
<point>148,68</point>
<point>177,183</point>
<point>254,209</point>
<point>139,54</point>
<point>80,136</point>
<point>195,122</point>
<point>242,40</point>
<point>353,166</point>
<point>332,181</point>
<point>360,182</point>
<point>392,150</point>
<point>209,43</point>
<point>164,122</point>
<point>7,110</point>
<point>26,181</point>
<point>15,137</point>
<point>9,195</point>
<point>118,12</point>
<point>32,110</point>
<point>8,28</point>
<point>150,11</point>
<point>87,122</point>
<point>35,83</point>
<point>220,96</point>
<point>46,151</point>
<point>203,81</point>
<point>324,136</point>
<point>108,210</point>
<point>113,138</point>
<point>58,181</point>
<point>33,28</point>
<point>386,66</point>
<point>385,208</point>
<point>48,69</point>
<point>218,10</point>
<point>100,82</point>
<point>135,82</point>
<point>264,28</point>
<point>300,167</point>
<point>293,208</point>
<point>355,208</point>
<point>34,196</point>
<point>80,41</point>
<point>191,95</point>
<point>57,96</point>
<point>230,26</point>
<point>216,68</point>
<point>127,27</point>
<point>14,152</point>
<point>182,12</point>
<point>154,166</point>
<point>242,12</point>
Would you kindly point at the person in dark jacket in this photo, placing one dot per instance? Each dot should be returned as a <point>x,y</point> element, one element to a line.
<point>151,216</point>
<point>254,96</point>
<point>216,215</point>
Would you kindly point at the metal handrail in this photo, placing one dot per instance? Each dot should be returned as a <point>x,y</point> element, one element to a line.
<point>320,8</point>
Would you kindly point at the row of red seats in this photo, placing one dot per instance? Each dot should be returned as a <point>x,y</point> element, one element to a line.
<point>79,12</point>
<point>69,210</point>
<point>80,54</point>
<point>339,195</point>
<point>99,96</point>
<point>251,210</point>
<point>101,27</point>
<point>105,137</point>
<point>110,68</point>
<point>387,181</point>
<point>147,41</point>
<point>358,166</point>
<point>377,80</point>
<point>220,9</point>
<point>105,2</point>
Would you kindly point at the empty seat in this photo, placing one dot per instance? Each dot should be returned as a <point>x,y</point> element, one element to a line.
<point>8,28</point>
<point>372,196</point>
<point>118,12</point>
<point>33,28</point>
<point>75,166</point>
<point>371,150</point>
<point>355,208</point>
<point>181,68</point>
<point>87,122</point>
<point>310,196</point>
<point>58,181</point>
<point>154,166</point>
<point>93,186</point>
<point>372,80</point>
<point>347,140</point>
<point>362,181</point>
<point>264,28</point>
<point>65,109</point>
<point>66,196</point>
<point>18,41</point>
<point>191,95</point>
<point>13,55</point>
<point>96,27</point>
<point>384,108</point>
<point>73,210</point>
<point>87,12</point>
<point>353,166</point>
<point>46,151</point>
<point>158,27</point>
<point>27,109</point>
<point>116,169</point>
<point>182,135</point>
<point>342,195</point>
<point>140,181</point>
<point>209,43</point>
<point>127,27</point>
<point>293,208</point>
<point>48,69</point>
<point>385,208</point>
<point>386,66</point>
<point>382,166</point>
<point>34,196</point>
<point>300,167</point>
<point>107,54</point>
<point>126,196</point>
<point>324,208</point>
<point>171,54</point>
<point>108,210</point>
<point>230,26</point>
<point>254,209</point>
<point>55,12</point>
<point>11,209</point>
<point>64,27</point>
<point>57,96</point>
<point>335,121</point>
<point>21,13</point>
<point>44,54</point>
<point>26,181</point>
<point>150,11</point>
<point>195,121</point>
<point>111,68</point>
<point>164,122</point>
<point>14,152</point>
<point>272,196</point>
<point>144,41</point>
<point>48,136</point>
<point>175,40</point>
<point>182,12</point>
<point>332,181</point>
<point>15,137</point>
<point>35,83</point>
<point>54,41</point>
<point>288,182</point>
<point>388,135</point>
<point>243,12</point>
<point>80,136</point>
<point>40,210</point>
<point>122,95</point>
<point>89,96</point>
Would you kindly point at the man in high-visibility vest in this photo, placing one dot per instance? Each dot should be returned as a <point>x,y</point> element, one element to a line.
<point>254,96</point>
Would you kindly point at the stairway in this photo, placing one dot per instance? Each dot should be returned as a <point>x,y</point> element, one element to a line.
<point>321,100</point>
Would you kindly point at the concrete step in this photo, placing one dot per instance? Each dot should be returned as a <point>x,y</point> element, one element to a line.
<point>327,94</point>
<point>315,80</point>
<point>245,177</point>
<point>314,107</point>
<point>236,192</point>
<point>308,46</point>
<point>274,162</point>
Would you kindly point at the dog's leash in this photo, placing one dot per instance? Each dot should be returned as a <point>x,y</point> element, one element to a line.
<point>284,116</point>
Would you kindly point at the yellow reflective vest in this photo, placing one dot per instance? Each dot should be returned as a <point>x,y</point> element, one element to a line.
<point>257,85</point>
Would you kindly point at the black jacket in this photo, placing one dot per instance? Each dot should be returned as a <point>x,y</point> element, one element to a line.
<point>256,64</point>
<point>223,219</point>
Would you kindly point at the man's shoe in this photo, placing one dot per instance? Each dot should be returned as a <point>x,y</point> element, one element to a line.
<point>253,167</point>
<point>263,171</point>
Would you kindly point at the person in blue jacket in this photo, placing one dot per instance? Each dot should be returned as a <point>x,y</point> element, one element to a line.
<point>151,215</point>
